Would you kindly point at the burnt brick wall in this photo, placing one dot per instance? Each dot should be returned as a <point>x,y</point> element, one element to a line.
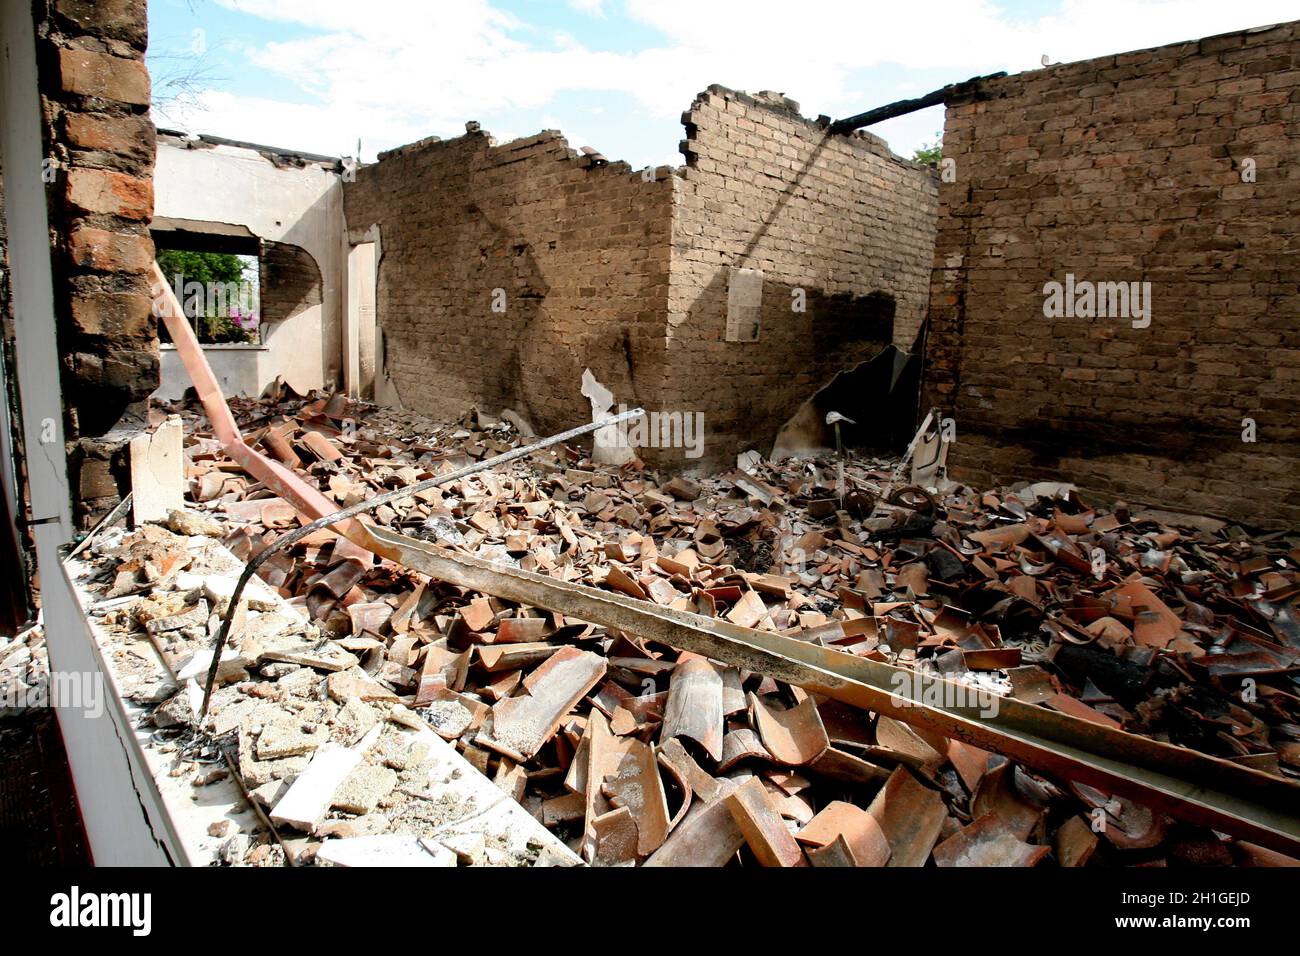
<point>579,250</point>
<point>840,217</point>
<point>626,272</point>
<point>288,281</point>
<point>100,146</point>
<point>1129,168</point>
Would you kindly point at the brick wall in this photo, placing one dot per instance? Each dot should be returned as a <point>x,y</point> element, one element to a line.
<point>288,281</point>
<point>1129,168</point>
<point>580,252</point>
<point>100,143</point>
<point>626,272</point>
<point>839,217</point>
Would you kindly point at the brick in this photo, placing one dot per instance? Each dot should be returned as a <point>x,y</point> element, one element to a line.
<point>102,251</point>
<point>111,193</point>
<point>120,315</point>
<point>104,76</point>
<point>120,19</point>
<point>131,371</point>
<point>132,137</point>
<point>96,479</point>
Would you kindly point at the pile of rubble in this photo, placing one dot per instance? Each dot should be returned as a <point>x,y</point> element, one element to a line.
<point>24,672</point>
<point>346,673</point>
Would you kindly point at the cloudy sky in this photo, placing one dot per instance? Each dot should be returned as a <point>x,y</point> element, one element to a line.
<point>321,75</point>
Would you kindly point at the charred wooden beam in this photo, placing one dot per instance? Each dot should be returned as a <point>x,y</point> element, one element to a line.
<point>903,107</point>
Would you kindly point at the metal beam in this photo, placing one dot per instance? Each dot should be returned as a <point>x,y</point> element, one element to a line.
<point>1177,780</point>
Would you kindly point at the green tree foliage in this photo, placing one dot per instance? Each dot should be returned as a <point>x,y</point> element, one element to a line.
<point>202,267</point>
<point>930,153</point>
<point>206,268</point>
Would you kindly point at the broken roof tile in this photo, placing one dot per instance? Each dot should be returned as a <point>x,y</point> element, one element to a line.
<point>523,724</point>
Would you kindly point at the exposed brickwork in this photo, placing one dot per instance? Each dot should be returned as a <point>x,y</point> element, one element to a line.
<point>104,76</point>
<point>840,217</point>
<point>100,141</point>
<point>625,272</point>
<point>580,252</point>
<point>289,281</point>
<point>1129,168</point>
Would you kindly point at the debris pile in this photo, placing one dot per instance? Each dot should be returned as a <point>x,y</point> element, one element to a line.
<point>346,673</point>
<point>24,672</point>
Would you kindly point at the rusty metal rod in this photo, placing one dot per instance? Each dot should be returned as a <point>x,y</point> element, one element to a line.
<point>370,504</point>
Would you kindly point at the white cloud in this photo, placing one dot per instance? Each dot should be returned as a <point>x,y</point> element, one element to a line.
<point>591,7</point>
<point>820,43</point>
<point>391,71</point>
<point>311,127</point>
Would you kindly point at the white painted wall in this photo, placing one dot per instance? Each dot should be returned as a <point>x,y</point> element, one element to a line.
<point>359,321</point>
<point>302,206</point>
<point>241,370</point>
